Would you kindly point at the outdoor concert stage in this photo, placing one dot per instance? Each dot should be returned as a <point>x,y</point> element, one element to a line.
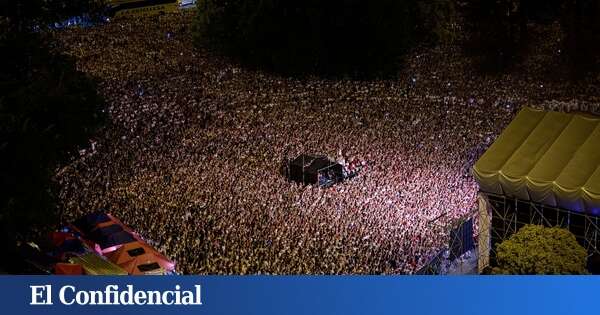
<point>543,169</point>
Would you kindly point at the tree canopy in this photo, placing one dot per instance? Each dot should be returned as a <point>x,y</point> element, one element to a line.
<point>331,37</point>
<point>47,109</point>
<point>370,37</point>
<point>536,249</point>
<point>499,31</point>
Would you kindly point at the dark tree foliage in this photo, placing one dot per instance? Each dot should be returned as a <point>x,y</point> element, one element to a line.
<point>47,109</point>
<point>541,11</point>
<point>536,249</point>
<point>438,20</point>
<point>330,37</point>
<point>581,25</point>
<point>497,31</point>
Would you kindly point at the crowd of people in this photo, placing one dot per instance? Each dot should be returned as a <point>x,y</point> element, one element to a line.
<point>191,154</point>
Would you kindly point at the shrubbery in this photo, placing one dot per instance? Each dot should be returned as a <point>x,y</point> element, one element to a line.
<point>536,249</point>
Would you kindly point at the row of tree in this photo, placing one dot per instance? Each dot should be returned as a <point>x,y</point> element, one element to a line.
<point>47,109</point>
<point>370,37</point>
<point>499,30</point>
<point>299,36</point>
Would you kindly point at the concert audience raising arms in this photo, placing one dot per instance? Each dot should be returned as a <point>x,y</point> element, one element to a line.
<point>191,154</point>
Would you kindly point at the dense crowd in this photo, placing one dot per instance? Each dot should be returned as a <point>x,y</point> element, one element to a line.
<point>192,151</point>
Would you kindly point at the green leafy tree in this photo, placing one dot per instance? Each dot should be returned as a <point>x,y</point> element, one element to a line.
<point>536,249</point>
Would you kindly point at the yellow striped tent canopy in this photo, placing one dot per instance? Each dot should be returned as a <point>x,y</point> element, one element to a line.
<point>550,158</point>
